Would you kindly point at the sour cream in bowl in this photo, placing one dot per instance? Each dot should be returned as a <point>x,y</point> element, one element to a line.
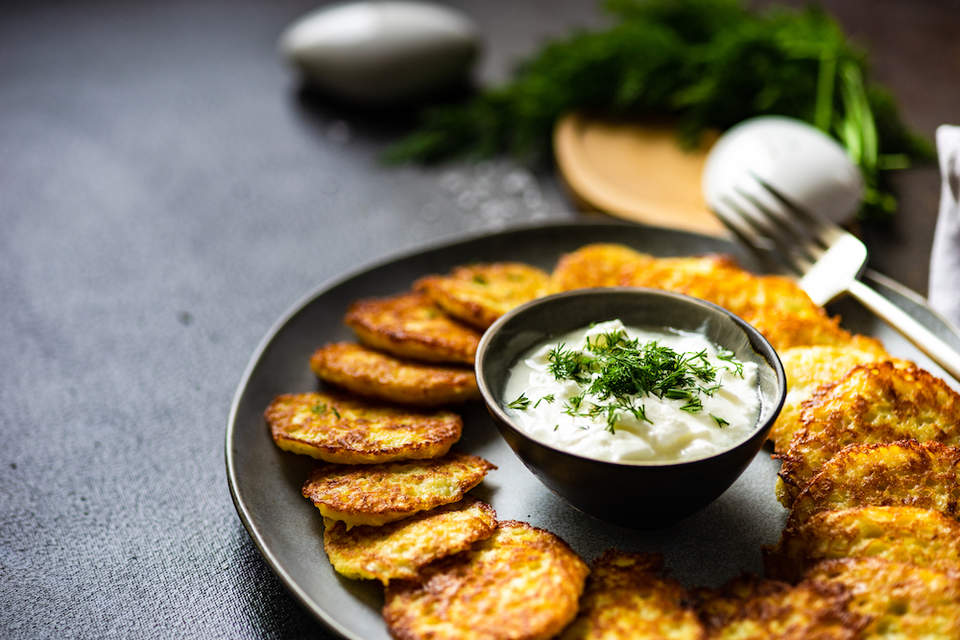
<point>635,405</point>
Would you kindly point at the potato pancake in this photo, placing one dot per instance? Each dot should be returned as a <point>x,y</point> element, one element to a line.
<point>872,403</point>
<point>785,330</point>
<point>910,473</point>
<point>522,583</point>
<point>337,428</point>
<point>902,600</point>
<point>921,537</point>
<point>399,550</point>
<point>751,608</point>
<point>378,375</point>
<point>809,367</point>
<point>597,265</point>
<point>627,597</point>
<point>376,495</point>
<point>411,326</point>
<point>775,305</point>
<point>479,294</point>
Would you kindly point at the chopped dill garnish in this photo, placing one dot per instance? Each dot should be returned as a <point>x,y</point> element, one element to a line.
<point>549,398</point>
<point>556,426</point>
<point>318,409</point>
<point>520,403</point>
<point>616,369</point>
<point>709,391</point>
<point>720,421</point>
<point>479,279</point>
<point>640,413</point>
<point>567,364</point>
<point>572,406</point>
<point>335,412</point>
<point>727,356</point>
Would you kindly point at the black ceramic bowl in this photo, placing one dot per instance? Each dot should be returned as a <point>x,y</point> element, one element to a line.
<point>639,495</point>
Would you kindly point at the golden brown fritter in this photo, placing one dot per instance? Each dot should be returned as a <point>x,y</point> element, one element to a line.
<point>376,495</point>
<point>921,537</point>
<point>676,273</point>
<point>911,473</point>
<point>522,583</point>
<point>807,368</point>
<point>337,428</point>
<point>378,375</point>
<point>399,550</point>
<point>409,325</point>
<point>750,296</point>
<point>628,597</point>
<point>872,403</point>
<point>597,265</point>
<point>903,601</point>
<point>775,305</point>
<point>751,608</point>
<point>785,330</point>
<point>479,294</point>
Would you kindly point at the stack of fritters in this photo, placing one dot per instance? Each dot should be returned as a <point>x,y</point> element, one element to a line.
<point>872,403</point>
<point>522,582</point>
<point>852,598</point>
<point>870,471</point>
<point>394,502</point>
<point>775,305</point>
<point>870,467</point>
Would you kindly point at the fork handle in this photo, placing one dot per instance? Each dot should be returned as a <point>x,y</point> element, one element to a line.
<point>924,339</point>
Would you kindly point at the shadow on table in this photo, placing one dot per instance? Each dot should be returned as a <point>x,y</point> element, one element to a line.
<point>385,123</point>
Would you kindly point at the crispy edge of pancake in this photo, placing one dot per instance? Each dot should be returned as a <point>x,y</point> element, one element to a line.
<point>922,537</point>
<point>410,325</point>
<point>911,473</point>
<point>378,494</point>
<point>807,368</point>
<point>596,265</point>
<point>349,431</point>
<point>627,596</point>
<point>753,608</point>
<point>478,294</point>
<point>903,600</point>
<point>873,403</point>
<point>521,583</point>
<point>398,550</point>
<point>377,375</point>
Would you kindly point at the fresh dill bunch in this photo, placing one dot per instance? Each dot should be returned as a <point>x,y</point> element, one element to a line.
<point>704,63</point>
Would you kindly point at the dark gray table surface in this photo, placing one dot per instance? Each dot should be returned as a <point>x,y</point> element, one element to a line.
<point>165,193</point>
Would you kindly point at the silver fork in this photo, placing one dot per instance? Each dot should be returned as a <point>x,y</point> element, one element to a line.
<point>827,259</point>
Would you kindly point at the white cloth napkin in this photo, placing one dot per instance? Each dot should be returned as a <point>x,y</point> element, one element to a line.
<point>945,257</point>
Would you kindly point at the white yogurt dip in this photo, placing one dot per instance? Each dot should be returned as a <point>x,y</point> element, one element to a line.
<point>655,396</point>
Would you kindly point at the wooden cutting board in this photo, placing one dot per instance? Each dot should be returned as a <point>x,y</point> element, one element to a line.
<point>635,171</point>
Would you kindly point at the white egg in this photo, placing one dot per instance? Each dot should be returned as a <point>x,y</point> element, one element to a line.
<point>804,163</point>
<point>378,52</point>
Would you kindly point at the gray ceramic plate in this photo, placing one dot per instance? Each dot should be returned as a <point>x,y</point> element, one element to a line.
<point>706,549</point>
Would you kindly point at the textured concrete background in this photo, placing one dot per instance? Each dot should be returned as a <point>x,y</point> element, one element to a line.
<point>164,194</point>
